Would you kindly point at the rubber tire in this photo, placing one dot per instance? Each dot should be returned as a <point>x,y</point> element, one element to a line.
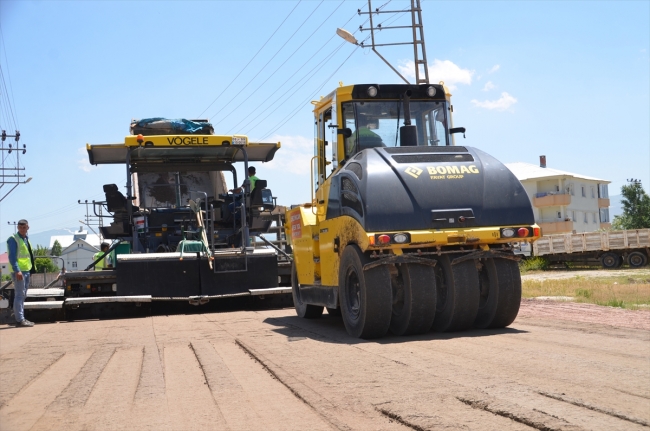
<point>610,260</point>
<point>509,298</point>
<point>637,259</point>
<point>365,296</point>
<point>457,300</point>
<point>307,311</point>
<point>333,311</point>
<point>488,294</point>
<point>416,287</point>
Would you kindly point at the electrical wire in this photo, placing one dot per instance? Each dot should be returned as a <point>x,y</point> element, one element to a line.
<point>280,66</point>
<point>4,49</point>
<point>300,107</point>
<point>273,57</point>
<point>249,61</point>
<point>251,115</point>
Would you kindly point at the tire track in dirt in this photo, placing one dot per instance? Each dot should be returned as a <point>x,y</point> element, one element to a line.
<point>473,378</point>
<point>17,374</point>
<point>190,402</point>
<point>21,411</point>
<point>356,383</point>
<point>65,410</point>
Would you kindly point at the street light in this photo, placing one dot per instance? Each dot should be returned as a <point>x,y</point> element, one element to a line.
<point>347,36</point>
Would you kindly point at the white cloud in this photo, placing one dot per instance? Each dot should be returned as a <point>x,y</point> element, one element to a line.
<point>441,70</point>
<point>494,68</point>
<point>488,86</point>
<point>501,104</point>
<point>294,155</point>
<point>83,162</point>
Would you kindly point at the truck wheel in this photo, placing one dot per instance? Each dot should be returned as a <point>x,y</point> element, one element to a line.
<point>414,299</point>
<point>509,298</point>
<point>365,296</point>
<point>610,260</point>
<point>457,300</point>
<point>488,294</point>
<point>636,259</point>
<point>307,311</point>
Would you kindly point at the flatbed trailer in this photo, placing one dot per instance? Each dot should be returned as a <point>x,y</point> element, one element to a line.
<point>610,248</point>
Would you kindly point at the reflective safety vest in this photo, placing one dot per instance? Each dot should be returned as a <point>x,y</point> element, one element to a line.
<point>23,257</point>
<point>102,263</point>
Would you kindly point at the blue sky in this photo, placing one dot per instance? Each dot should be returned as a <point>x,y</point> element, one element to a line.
<point>570,80</point>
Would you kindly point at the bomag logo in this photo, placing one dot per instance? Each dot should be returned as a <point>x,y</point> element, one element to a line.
<point>413,171</point>
<point>188,140</point>
<point>449,172</point>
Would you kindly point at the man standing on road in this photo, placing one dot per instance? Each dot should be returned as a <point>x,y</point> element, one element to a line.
<point>21,263</point>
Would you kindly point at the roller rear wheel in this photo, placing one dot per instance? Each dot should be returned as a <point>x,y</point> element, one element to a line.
<point>509,297</point>
<point>365,296</point>
<point>308,311</point>
<point>489,294</point>
<point>414,299</point>
<point>457,300</point>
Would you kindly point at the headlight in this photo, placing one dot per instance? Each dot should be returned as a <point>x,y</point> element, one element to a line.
<point>372,91</point>
<point>400,238</point>
<point>507,233</point>
<point>431,91</point>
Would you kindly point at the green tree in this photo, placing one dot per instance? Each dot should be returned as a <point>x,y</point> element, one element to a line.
<point>56,248</point>
<point>44,264</point>
<point>636,208</point>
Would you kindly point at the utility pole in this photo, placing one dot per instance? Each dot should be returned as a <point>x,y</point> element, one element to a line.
<point>90,220</point>
<point>11,174</point>
<point>13,223</point>
<point>419,50</point>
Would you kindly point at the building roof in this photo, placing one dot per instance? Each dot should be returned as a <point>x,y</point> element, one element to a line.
<point>528,171</point>
<point>4,258</point>
<point>84,246</point>
<point>66,240</point>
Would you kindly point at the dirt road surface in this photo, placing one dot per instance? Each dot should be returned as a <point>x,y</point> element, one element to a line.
<point>270,370</point>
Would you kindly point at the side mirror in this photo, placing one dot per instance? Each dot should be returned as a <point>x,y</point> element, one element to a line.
<point>347,132</point>
<point>457,130</point>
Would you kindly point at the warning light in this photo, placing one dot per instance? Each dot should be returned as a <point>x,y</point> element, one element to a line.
<point>536,232</point>
<point>140,139</point>
<point>383,239</point>
<point>522,232</point>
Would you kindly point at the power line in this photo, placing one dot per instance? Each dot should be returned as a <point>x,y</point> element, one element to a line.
<point>249,62</point>
<point>273,57</point>
<point>4,49</point>
<point>293,114</point>
<point>280,66</point>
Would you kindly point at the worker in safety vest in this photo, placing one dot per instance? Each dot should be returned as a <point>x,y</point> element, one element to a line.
<point>106,262</point>
<point>21,264</point>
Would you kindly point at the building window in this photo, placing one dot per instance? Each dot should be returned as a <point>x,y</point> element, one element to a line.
<point>585,218</point>
<point>582,190</point>
<point>604,215</point>
<point>559,214</point>
<point>603,193</point>
<point>593,217</point>
<point>593,192</point>
<point>569,189</point>
<point>74,264</point>
<point>573,215</point>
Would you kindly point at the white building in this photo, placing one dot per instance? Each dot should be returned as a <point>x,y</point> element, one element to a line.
<point>563,201</point>
<point>65,240</point>
<point>78,255</point>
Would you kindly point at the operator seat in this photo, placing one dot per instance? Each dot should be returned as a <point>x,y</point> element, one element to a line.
<point>261,205</point>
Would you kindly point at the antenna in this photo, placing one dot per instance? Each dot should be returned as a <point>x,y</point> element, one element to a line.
<point>419,50</point>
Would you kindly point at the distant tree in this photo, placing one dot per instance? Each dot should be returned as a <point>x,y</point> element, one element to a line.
<point>636,207</point>
<point>56,248</point>
<point>44,264</point>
